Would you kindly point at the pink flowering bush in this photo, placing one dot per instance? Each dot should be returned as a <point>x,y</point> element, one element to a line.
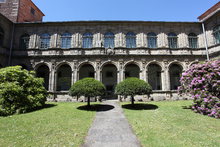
<point>202,82</point>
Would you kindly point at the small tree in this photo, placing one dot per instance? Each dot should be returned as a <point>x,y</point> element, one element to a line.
<point>132,87</point>
<point>87,87</point>
<point>20,91</point>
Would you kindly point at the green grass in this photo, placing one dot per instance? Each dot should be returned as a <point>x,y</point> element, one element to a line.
<point>60,125</point>
<point>170,125</point>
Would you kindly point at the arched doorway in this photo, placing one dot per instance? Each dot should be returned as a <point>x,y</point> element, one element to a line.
<point>64,73</point>
<point>86,70</point>
<point>132,70</point>
<point>154,76</point>
<point>109,78</point>
<point>175,74</point>
<point>43,72</point>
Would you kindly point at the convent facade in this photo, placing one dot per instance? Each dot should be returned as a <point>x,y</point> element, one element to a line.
<point>109,51</point>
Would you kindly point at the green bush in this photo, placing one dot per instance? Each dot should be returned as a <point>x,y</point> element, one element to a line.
<point>132,87</point>
<point>20,91</point>
<point>87,87</point>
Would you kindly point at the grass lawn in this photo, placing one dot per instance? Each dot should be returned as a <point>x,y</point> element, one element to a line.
<point>59,125</point>
<point>168,124</point>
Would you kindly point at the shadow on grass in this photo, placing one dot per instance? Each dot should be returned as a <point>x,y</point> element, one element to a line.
<point>96,107</point>
<point>42,107</point>
<point>187,107</point>
<point>140,106</point>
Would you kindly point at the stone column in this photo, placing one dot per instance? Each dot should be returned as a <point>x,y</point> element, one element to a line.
<point>52,77</point>
<point>74,71</point>
<point>165,77</point>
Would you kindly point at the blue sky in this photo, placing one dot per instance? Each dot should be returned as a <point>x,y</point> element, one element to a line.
<point>145,10</point>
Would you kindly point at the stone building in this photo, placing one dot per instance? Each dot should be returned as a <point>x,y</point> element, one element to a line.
<point>109,51</point>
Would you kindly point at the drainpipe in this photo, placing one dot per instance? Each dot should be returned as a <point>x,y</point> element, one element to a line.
<point>11,45</point>
<point>206,42</point>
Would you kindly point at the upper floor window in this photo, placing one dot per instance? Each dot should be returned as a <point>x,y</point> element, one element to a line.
<point>130,40</point>
<point>109,40</point>
<point>172,40</point>
<point>2,1</point>
<point>152,40</point>
<point>45,41</point>
<point>193,40</point>
<point>32,11</point>
<point>87,40</point>
<point>66,40</point>
<point>216,33</point>
<point>1,36</point>
<point>24,41</point>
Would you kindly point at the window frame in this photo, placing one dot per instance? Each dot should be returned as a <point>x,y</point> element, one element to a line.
<point>152,40</point>
<point>216,34</point>
<point>109,40</point>
<point>172,40</point>
<point>131,40</point>
<point>45,41</point>
<point>23,44</point>
<point>193,40</point>
<point>87,40</point>
<point>66,40</point>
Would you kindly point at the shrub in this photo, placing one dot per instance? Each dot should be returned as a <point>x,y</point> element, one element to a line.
<point>202,82</point>
<point>132,87</point>
<point>20,91</point>
<point>87,87</point>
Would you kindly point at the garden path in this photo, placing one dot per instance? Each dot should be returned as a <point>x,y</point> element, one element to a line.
<point>111,129</point>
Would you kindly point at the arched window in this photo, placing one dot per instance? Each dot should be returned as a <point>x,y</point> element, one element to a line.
<point>193,40</point>
<point>130,40</point>
<point>1,36</point>
<point>87,40</point>
<point>109,40</point>
<point>216,33</point>
<point>45,41</point>
<point>152,40</point>
<point>24,41</point>
<point>172,40</point>
<point>66,40</point>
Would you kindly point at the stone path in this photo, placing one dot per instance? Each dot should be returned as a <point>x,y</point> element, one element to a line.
<point>111,129</point>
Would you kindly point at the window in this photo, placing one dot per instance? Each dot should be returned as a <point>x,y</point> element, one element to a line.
<point>32,11</point>
<point>66,40</point>
<point>193,40</point>
<point>87,40</point>
<point>44,41</point>
<point>152,40</point>
<point>1,36</point>
<point>131,40</point>
<point>172,40</point>
<point>24,41</point>
<point>2,1</point>
<point>109,40</point>
<point>216,33</point>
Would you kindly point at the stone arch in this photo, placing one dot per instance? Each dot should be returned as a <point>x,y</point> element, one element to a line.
<point>109,62</point>
<point>43,71</point>
<point>63,77</point>
<point>109,78</point>
<point>39,64</point>
<point>177,63</point>
<point>175,72</point>
<point>62,63</point>
<point>154,76</point>
<point>86,70</point>
<point>132,62</point>
<point>84,63</point>
<point>155,62</point>
<point>132,70</point>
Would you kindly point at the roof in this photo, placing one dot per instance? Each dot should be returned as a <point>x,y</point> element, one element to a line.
<point>210,12</point>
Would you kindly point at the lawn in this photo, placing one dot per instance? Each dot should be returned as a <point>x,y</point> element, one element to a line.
<point>170,124</point>
<point>61,124</point>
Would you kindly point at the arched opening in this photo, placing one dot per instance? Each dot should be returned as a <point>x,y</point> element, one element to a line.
<point>1,36</point>
<point>175,74</point>
<point>43,72</point>
<point>154,76</point>
<point>86,70</point>
<point>109,78</point>
<point>132,70</point>
<point>64,78</point>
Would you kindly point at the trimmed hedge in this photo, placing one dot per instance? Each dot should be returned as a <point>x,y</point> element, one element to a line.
<point>202,81</point>
<point>133,86</point>
<point>20,91</point>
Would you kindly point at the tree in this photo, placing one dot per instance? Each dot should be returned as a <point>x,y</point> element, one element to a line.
<point>20,91</point>
<point>133,86</point>
<point>202,82</point>
<point>87,87</point>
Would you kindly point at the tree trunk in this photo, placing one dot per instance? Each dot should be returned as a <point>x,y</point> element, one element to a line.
<point>88,102</point>
<point>132,100</point>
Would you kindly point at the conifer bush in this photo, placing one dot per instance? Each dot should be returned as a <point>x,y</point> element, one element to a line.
<point>20,91</point>
<point>202,82</point>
